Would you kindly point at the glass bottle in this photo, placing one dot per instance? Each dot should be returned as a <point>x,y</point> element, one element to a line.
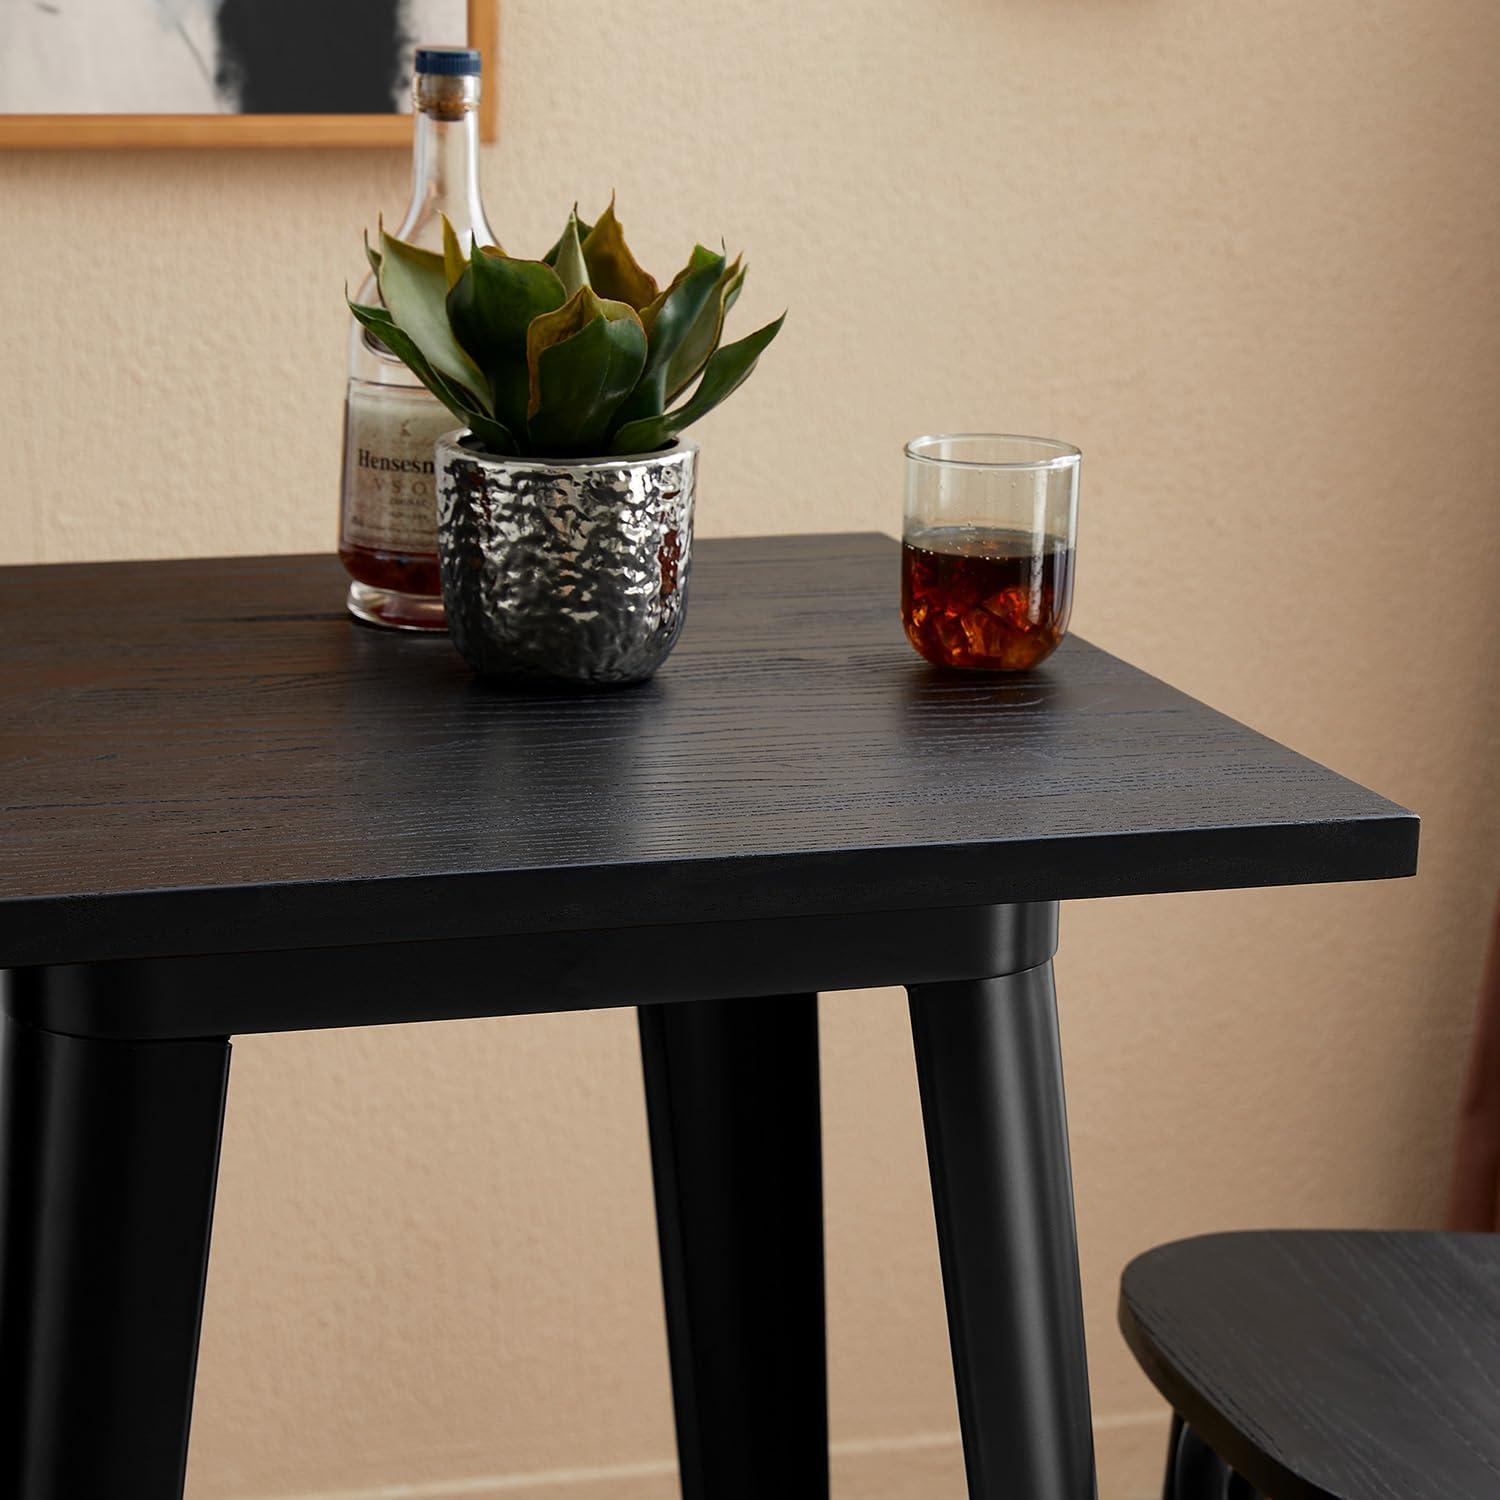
<point>388,515</point>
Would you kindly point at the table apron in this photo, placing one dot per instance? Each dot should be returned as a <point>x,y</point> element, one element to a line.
<point>306,989</point>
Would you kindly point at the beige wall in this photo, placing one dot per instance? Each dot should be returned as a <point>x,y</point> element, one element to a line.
<point>1245,255</point>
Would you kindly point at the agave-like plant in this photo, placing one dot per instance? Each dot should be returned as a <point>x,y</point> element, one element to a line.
<point>578,353</point>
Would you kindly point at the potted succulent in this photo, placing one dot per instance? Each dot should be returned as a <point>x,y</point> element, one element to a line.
<point>565,503</point>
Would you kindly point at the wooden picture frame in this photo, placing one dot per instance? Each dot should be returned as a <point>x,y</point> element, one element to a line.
<point>91,132</point>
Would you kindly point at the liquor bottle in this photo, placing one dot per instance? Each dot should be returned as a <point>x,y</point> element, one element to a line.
<point>388,516</point>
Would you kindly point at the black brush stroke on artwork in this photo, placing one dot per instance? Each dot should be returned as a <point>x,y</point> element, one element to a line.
<point>306,57</point>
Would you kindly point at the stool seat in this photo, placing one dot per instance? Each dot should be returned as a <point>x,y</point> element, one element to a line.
<point>1330,1365</point>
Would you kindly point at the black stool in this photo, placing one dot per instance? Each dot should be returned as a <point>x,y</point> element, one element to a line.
<point>1323,1365</point>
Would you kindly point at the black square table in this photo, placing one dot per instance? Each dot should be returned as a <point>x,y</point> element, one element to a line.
<point>228,809</point>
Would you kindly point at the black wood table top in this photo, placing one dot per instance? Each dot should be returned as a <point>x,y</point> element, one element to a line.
<point>1330,1365</point>
<point>209,756</point>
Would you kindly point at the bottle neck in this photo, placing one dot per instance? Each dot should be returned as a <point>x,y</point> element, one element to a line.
<point>445,180</point>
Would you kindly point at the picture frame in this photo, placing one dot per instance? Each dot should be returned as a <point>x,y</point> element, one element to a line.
<point>309,131</point>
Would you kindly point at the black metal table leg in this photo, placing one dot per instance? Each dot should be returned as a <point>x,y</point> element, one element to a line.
<point>997,1143</point>
<point>108,1160</point>
<point>732,1098</point>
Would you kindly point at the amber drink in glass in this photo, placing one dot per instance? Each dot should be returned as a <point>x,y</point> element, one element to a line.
<point>987,549</point>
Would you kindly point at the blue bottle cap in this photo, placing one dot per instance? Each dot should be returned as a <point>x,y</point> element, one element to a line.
<point>451,62</point>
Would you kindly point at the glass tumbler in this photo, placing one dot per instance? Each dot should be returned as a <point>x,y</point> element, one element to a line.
<point>987,549</point>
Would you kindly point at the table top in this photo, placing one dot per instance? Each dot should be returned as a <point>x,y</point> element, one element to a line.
<point>209,756</point>
<point>1330,1364</point>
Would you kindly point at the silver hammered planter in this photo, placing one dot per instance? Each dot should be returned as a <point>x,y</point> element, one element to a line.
<point>565,571</point>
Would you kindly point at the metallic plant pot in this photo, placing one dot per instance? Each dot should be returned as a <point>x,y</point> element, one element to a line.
<point>561,571</point>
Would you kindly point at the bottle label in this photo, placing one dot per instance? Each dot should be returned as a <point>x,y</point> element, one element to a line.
<point>390,493</point>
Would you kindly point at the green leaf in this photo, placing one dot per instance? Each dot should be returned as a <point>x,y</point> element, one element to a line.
<point>490,308</point>
<point>373,256</point>
<point>668,320</point>
<point>703,337</point>
<point>462,403</point>
<point>613,271</point>
<point>727,369</point>
<point>454,260</point>
<point>584,231</point>
<point>572,269</point>
<point>701,260</point>
<point>414,287</point>
<point>583,360</point>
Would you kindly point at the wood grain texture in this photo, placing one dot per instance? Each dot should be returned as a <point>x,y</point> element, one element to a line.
<point>209,756</point>
<point>1330,1365</point>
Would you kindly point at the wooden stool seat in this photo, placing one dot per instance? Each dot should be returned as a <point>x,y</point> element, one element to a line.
<point>1325,1365</point>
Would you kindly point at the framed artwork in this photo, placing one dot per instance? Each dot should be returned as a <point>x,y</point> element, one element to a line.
<point>98,73</point>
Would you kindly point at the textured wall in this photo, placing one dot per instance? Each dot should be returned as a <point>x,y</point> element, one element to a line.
<point>1245,255</point>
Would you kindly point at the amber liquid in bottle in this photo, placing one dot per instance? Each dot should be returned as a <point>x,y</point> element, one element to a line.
<point>995,601</point>
<point>399,572</point>
<point>388,516</point>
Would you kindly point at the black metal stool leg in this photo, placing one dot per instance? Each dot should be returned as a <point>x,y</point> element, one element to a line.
<point>108,1159</point>
<point>1196,1472</point>
<point>732,1099</point>
<point>1174,1440</point>
<point>992,1101</point>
